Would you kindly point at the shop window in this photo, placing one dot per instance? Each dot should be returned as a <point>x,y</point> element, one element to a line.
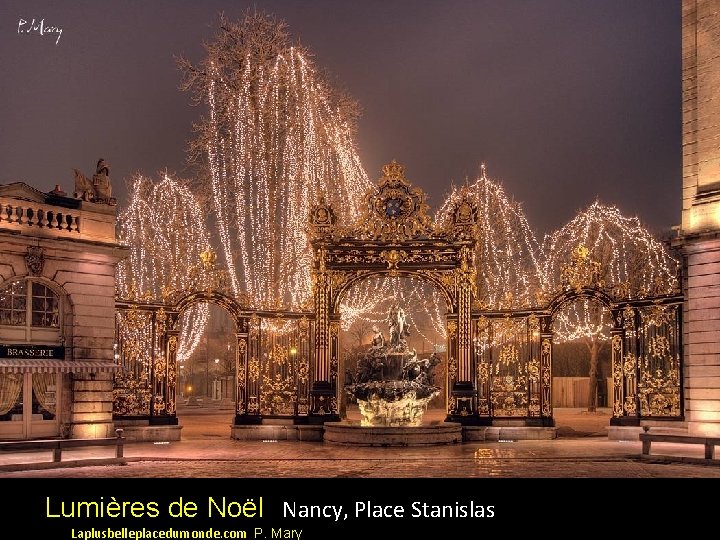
<point>29,312</point>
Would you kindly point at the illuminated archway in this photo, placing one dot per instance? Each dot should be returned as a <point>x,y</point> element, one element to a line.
<point>394,236</point>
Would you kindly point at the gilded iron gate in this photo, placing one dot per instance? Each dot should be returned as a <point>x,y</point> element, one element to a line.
<point>276,381</point>
<point>513,360</point>
<point>513,366</point>
<point>646,360</point>
<point>272,366</point>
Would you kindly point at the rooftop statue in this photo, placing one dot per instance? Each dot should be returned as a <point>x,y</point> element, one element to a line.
<point>98,189</point>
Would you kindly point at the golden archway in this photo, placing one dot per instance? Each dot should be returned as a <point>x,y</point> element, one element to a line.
<point>394,236</point>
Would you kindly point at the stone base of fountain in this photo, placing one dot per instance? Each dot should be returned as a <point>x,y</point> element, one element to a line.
<point>432,433</point>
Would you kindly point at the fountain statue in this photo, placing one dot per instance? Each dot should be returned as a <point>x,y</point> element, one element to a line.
<point>391,384</point>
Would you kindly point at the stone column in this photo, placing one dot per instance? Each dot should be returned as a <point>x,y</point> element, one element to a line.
<point>701,338</point>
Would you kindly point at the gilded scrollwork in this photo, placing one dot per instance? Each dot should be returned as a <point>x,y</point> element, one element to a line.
<point>659,316</point>
<point>464,215</point>
<point>394,210</point>
<point>581,272</point>
<point>303,327</point>
<point>303,370</point>
<point>630,407</point>
<point>253,369</point>
<point>629,364</point>
<point>254,325</point>
<point>452,368</point>
<point>628,315</point>
<point>322,218</point>
<point>534,325</point>
<point>546,346</point>
<point>534,370</point>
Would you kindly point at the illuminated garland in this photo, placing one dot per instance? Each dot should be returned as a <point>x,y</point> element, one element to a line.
<point>370,302</point>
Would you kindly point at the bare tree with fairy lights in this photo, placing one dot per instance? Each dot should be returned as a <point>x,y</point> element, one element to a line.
<point>603,250</point>
<point>275,139</point>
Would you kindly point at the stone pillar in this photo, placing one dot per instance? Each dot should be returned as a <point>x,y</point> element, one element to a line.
<point>699,236</point>
<point>91,408</point>
<point>701,337</point>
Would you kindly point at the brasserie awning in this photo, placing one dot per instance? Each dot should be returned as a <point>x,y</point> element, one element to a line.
<point>17,365</point>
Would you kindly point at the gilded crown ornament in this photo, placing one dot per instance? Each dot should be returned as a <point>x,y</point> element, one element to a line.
<point>394,210</point>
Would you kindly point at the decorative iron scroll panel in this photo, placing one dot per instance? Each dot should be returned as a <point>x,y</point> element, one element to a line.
<point>508,366</point>
<point>132,385</point>
<point>274,359</point>
<point>278,371</point>
<point>647,372</point>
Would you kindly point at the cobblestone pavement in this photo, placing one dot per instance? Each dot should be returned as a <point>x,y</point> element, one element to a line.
<point>206,451</point>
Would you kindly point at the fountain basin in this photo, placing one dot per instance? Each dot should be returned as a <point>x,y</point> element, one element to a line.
<point>353,433</point>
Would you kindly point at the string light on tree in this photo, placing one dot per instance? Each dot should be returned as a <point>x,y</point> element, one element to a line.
<point>164,228</point>
<point>506,247</point>
<point>602,249</point>
<point>277,138</point>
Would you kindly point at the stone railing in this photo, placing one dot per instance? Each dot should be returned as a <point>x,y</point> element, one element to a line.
<point>34,216</point>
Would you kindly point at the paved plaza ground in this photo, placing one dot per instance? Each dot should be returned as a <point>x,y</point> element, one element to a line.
<point>582,449</point>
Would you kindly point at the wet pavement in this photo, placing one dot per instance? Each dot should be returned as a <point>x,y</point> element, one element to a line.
<point>582,449</point>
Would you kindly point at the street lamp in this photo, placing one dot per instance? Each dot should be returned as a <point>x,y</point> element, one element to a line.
<point>217,361</point>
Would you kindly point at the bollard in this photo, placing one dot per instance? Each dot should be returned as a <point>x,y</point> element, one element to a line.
<point>119,447</point>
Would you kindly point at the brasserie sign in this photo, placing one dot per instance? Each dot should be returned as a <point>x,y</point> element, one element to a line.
<point>32,351</point>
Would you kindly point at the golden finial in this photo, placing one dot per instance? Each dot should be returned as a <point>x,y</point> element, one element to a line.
<point>208,257</point>
<point>393,170</point>
<point>581,252</point>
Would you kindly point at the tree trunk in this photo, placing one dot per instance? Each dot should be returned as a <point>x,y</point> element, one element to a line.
<point>592,397</point>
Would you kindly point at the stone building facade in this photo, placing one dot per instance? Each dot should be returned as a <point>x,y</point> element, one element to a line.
<point>57,314</point>
<point>700,229</point>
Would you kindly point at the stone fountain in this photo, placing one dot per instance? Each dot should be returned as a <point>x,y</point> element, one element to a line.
<point>393,387</point>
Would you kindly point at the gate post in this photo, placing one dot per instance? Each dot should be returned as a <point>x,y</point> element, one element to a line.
<point>546,344</point>
<point>545,375</point>
<point>323,400</point>
<point>171,346</point>
<point>625,369</point>
<point>242,374</point>
<point>163,371</point>
<point>463,403</point>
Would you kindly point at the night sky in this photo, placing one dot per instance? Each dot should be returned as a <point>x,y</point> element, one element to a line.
<point>565,101</point>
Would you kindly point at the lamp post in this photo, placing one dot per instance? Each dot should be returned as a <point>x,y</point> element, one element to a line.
<point>217,361</point>
<point>207,377</point>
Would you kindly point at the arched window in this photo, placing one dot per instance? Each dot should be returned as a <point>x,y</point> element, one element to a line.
<point>29,312</point>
